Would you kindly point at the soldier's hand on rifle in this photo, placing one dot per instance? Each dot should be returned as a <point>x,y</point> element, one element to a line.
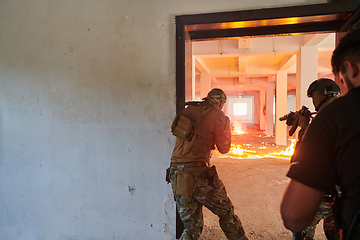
<point>304,117</point>
<point>303,121</point>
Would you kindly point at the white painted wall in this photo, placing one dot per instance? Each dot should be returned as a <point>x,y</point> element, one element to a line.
<point>87,99</point>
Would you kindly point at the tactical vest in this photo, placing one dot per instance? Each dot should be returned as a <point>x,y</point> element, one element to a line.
<point>201,142</point>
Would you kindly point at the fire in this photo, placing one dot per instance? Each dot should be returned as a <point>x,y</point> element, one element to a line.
<point>255,144</point>
<point>288,152</point>
<point>236,151</point>
<point>237,129</point>
<point>243,151</point>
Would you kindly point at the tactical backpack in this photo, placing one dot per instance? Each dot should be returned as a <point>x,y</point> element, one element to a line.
<point>182,127</point>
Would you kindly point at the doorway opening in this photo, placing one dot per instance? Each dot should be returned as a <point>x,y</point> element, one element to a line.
<point>243,28</point>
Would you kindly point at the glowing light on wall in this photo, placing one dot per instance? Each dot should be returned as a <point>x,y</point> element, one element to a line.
<point>240,109</point>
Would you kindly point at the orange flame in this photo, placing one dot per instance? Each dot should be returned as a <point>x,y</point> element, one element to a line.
<point>288,152</point>
<point>237,129</point>
<point>240,152</point>
<point>236,151</point>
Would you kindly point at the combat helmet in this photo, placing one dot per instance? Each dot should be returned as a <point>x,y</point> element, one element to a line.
<point>322,91</point>
<point>215,96</point>
<point>325,86</point>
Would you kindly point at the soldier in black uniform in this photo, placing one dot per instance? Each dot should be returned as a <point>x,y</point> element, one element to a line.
<point>322,92</point>
<point>328,155</point>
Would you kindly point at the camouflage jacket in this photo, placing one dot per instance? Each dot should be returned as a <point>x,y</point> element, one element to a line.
<point>212,130</point>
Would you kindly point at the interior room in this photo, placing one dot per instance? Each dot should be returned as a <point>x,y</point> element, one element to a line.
<point>89,89</point>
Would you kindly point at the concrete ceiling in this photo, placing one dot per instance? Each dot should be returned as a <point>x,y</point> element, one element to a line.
<point>241,65</point>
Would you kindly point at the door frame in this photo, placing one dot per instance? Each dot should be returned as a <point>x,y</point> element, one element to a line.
<point>327,17</point>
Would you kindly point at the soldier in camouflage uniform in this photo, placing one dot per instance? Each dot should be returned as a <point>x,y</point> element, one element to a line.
<point>194,180</point>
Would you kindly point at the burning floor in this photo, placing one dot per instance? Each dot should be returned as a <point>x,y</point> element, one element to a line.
<point>254,144</point>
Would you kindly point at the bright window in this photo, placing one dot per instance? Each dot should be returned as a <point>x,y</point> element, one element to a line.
<point>240,109</point>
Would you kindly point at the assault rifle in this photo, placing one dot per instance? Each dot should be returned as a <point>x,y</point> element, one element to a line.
<point>192,103</point>
<point>292,118</point>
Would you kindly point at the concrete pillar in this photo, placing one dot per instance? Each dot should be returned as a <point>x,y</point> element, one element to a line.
<point>193,79</point>
<point>262,113</point>
<point>281,108</point>
<point>205,84</point>
<point>306,73</point>
<point>269,127</point>
<point>256,110</point>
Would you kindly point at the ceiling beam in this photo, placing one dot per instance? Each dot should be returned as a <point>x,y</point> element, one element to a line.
<point>314,39</point>
<point>277,45</point>
<point>259,71</point>
<point>243,63</point>
<point>201,66</point>
<point>244,43</point>
<point>261,54</point>
<point>287,62</point>
<point>214,79</point>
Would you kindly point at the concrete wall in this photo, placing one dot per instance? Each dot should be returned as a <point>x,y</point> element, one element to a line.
<point>87,99</point>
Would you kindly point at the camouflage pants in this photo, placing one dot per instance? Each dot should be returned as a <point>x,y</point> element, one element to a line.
<point>212,195</point>
<point>324,212</point>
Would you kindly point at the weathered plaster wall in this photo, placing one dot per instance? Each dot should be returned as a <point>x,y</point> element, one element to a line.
<point>87,98</point>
